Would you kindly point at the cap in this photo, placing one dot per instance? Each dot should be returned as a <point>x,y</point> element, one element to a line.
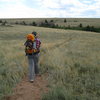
<point>34,33</point>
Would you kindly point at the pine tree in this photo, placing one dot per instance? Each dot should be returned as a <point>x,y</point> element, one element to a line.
<point>46,21</point>
<point>34,23</point>
<point>0,21</point>
<point>65,21</point>
<point>80,25</point>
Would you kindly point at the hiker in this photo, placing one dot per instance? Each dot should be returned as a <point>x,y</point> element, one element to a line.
<point>37,44</point>
<point>32,49</point>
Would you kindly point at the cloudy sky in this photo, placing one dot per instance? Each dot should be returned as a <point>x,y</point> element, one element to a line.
<point>49,8</point>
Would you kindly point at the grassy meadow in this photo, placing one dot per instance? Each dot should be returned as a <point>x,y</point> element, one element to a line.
<point>71,59</point>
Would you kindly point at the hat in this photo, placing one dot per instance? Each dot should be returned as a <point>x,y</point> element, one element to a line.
<point>34,33</point>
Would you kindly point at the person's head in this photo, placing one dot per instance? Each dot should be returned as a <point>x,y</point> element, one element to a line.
<point>34,33</point>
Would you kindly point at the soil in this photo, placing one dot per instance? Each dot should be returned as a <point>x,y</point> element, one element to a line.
<point>30,91</point>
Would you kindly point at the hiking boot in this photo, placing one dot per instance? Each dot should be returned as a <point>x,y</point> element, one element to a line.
<point>31,81</point>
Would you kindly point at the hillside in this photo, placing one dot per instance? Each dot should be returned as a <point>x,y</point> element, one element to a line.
<point>73,22</point>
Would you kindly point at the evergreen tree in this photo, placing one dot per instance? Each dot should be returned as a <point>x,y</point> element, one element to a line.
<point>88,28</point>
<point>24,23</point>
<point>34,23</point>
<point>80,25</point>
<point>46,21</point>
<point>51,21</point>
<point>0,21</point>
<point>65,21</point>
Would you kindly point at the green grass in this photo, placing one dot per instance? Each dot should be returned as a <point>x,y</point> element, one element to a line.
<point>71,58</point>
<point>12,66</point>
<point>74,66</point>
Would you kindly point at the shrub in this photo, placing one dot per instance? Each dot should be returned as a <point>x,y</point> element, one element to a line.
<point>34,24</point>
<point>51,21</point>
<point>65,21</point>
<point>0,21</point>
<point>80,25</point>
<point>46,21</point>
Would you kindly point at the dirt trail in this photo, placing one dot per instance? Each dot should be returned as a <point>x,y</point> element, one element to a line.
<point>30,91</point>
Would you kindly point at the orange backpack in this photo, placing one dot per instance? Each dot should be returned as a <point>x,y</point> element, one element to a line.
<point>30,37</point>
<point>29,44</point>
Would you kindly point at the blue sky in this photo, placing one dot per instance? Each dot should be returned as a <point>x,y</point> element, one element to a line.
<point>49,8</point>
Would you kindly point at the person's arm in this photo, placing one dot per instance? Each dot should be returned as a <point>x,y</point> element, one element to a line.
<point>25,44</point>
<point>34,45</point>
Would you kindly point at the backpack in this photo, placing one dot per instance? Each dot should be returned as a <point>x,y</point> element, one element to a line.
<point>29,44</point>
<point>36,46</point>
<point>38,43</point>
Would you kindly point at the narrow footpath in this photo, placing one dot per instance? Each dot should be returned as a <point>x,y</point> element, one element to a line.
<point>30,91</point>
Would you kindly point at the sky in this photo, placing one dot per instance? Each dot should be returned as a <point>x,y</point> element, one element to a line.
<point>49,8</point>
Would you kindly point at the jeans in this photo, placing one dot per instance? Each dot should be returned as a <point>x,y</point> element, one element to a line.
<point>36,63</point>
<point>33,65</point>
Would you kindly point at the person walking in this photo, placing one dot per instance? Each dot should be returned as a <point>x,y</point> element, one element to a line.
<point>32,49</point>
<point>37,44</point>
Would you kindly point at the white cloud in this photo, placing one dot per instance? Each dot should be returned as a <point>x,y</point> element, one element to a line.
<point>49,8</point>
<point>50,3</point>
<point>20,11</point>
<point>11,0</point>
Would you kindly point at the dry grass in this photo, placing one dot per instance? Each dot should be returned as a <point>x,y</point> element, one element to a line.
<point>60,21</point>
<point>71,59</point>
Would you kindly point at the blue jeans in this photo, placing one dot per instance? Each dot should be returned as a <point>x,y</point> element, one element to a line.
<point>36,63</point>
<point>31,67</point>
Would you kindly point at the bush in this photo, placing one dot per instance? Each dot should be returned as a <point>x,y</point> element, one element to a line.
<point>23,23</point>
<point>65,21</point>
<point>16,22</point>
<point>51,21</point>
<point>80,25</point>
<point>34,24</point>
<point>46,21</point>
<point>0,21</point>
